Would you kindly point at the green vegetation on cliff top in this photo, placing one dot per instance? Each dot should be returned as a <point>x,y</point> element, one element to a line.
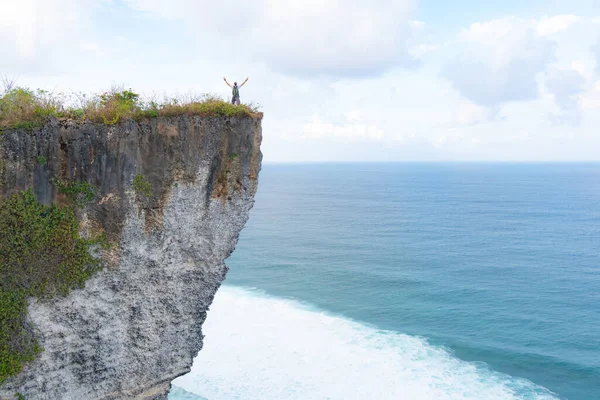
<point>41,255</point>
<point>25,108</point>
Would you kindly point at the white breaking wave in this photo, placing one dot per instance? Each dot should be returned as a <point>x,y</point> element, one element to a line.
<point>261,347</point>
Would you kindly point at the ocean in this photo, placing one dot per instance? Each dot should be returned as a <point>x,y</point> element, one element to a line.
<point>410,281</point>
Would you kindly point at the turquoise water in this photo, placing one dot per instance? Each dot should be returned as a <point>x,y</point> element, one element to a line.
<point>411,281</point>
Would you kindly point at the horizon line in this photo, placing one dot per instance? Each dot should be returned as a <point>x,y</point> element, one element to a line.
<point>438,162</point>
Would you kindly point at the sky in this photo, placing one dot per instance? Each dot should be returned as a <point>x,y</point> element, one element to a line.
<point>353,80</point>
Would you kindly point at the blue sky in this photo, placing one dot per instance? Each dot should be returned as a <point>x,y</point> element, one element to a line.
<point>359,80</point>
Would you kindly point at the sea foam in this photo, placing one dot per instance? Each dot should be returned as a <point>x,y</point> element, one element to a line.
<point>263,347</point>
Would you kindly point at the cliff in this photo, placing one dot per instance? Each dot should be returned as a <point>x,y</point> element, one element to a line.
<point>168,197</point>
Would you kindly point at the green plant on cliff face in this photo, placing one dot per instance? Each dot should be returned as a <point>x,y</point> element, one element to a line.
<point>142,186</point>
<point>41,160</point>
<point>41,255</point>
<point>79,193</point>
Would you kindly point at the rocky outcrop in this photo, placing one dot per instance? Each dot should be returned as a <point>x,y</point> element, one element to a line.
<point>171,195</point>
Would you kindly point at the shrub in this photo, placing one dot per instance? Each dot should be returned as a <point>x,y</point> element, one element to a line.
<point>41,255</point>
<point>110,107</point>
<point>24,108</point>
<point>78,193</point>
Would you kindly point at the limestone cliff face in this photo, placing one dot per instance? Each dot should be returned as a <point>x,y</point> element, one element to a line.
<point>137,323</point>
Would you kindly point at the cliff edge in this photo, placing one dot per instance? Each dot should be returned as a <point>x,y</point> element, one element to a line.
<point>169,197</point>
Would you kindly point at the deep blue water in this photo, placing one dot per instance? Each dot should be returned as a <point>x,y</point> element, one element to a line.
<point>495,265</point>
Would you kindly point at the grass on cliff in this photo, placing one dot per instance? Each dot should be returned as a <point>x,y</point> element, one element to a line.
<point>25,108</point>
<point>41,255</point>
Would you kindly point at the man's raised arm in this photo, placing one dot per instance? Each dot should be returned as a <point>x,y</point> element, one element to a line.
<point>226,82</point>
<point>244,82</point>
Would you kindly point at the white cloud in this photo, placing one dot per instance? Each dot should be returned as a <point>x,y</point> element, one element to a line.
<point>500,61</point>
<point>352,129</point>
<point>32,32</point>
<point>583,69</point>
<point>468,113</point>
<point>566,87</point>
<point>416,25</point>
<point>356,37</point>
<point>420,50</point>
<point>596,54</point>
<point>550,25</point>
<point>88,46</point>
<point>590,100</point>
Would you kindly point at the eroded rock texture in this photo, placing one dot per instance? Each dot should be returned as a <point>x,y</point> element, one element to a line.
<point>137,324</point>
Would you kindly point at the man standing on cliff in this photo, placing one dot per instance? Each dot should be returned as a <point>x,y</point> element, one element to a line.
<point>235,91</point>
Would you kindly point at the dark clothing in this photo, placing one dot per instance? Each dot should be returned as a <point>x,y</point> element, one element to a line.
<point>236,95</point>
